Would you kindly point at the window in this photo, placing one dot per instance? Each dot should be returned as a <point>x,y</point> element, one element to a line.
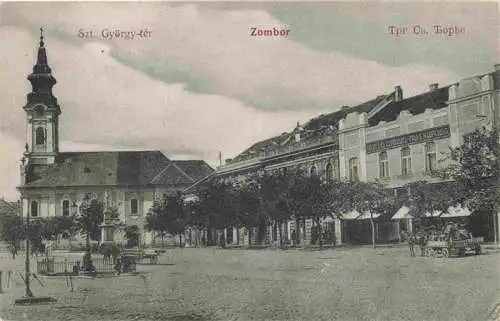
<point>329,172</point>
<point>353,169</point>
<point>383,164</point>
<point>133,206</point>
<point>109,235</point>
<point>65,208</point>
<point>313,171</point>
<point>284,170</point>
<point>405,161</point>
<point>40,136</point>
<point>34,208</point>
<point>430,157</point>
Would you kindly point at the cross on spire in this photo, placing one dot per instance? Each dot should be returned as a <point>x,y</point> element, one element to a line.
<point>41,37</point>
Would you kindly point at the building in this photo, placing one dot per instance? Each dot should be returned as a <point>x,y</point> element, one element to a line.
<point>9,208</point>
<point>390,138</point>
<point>55,183</point>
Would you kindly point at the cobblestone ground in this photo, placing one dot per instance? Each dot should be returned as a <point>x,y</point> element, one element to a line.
<point>348,284</point>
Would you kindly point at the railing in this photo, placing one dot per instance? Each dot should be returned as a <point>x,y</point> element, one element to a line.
<point>279,150</point>
<point>305,144</point>
<point>51,266</point>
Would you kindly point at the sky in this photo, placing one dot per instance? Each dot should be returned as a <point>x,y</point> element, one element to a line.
<point>198,83</point>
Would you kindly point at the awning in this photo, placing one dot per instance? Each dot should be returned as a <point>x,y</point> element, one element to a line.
<point>403,212</point>
<point>456,211</point>
<point>434,214</point>
<point>367,215</point>
<point>191,199</point>
<point>352,215</point>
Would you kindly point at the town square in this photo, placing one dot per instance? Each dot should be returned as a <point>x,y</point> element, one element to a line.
<point>241,162</point>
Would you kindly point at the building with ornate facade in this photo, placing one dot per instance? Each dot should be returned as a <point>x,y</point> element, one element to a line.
<point>390,138</point>
<point>55,183</point>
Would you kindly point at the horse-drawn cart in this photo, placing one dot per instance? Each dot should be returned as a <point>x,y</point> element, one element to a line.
<point>452,242</point>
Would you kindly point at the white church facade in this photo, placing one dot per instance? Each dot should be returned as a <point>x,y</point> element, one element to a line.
<point>55,183</point>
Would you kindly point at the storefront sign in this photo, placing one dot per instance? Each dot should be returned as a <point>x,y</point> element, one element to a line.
<point>409,139</point>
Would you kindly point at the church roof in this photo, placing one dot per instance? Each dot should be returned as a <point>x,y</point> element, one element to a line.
<point>119,168</point>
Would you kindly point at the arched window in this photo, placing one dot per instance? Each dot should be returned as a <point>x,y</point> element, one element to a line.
<point>313,171</point>
<point>65,208</point>
<point>40,136</point>
<point>383,163</point>
<point>353,169</point>
<point>329,172</point>
<point>34,208</point>
<point>405,161</point>
<point>133,206</point>
<point>430,157</point>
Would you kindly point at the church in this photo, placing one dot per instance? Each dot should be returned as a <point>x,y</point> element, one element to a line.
<point>55,183</point>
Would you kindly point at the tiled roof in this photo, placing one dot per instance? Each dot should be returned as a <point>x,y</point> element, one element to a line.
<point>132,168</point>
<point>435,99</point>
<point>195,169</point>
<point>314,127</point>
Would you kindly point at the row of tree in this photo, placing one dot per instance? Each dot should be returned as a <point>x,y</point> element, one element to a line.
<point>264,199</point>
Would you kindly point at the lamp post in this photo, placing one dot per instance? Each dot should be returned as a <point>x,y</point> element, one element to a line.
<point>86,222</point>
<point>29,298</point>
<point>28,293</point>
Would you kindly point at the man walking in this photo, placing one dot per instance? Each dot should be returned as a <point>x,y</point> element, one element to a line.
<point>411,243</point>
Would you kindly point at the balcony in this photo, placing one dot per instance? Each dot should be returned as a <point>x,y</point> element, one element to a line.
<point>302,145</point>
<point>306,143</point>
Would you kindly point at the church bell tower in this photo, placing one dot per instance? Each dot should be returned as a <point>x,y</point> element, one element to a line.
<point>42,113</point>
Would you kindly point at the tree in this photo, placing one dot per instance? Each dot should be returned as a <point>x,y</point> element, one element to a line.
<point>156,220</point>
<point>88,223</point>
<point>132,235</point>
<point>429,200</point>
<point>13,232</point>
<point>274,193</point>
<point>373,198</point>
<point>475,169</point>
<point>248,206</point>
<point>175,216</point>
<point>217,208</point>
<point>168,216</point>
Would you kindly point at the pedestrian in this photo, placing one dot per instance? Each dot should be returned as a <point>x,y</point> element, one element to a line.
<point>294,238</point>
<point>411,243</point>
<point>118,264</point>
<point>422,240</point>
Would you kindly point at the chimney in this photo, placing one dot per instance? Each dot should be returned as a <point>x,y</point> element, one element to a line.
<point>433,87</point>
<point>497,67</point>
<point>398,93</point>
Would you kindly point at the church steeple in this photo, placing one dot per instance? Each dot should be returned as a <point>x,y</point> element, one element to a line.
<point>42,81</point>
<point>42,111</point>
